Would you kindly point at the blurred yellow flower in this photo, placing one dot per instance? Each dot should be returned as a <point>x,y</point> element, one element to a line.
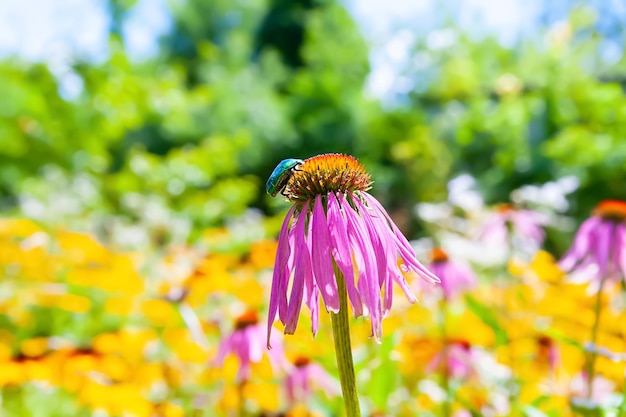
<point>18,228</point>
<point>168,409</point>
<point>74,303</point>
<point>160,313</point>
<point>264,395</point>
<point>92,265</point>
<point>263,253</point>
<point>35,347</point>
<point>130,343</point>
<point>544,266</point>
<point>120,306</point>
<point>180,341</point>
<point>416,352</point>
<point>115,399</point>
<point>11,373</point>
<point>301,411</point>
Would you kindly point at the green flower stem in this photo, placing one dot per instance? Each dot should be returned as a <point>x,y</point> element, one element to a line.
<point>622,407</point>
<point>591,356</point>
<point>447,403</point>
<point>343,350</point>
<point>241,412</point>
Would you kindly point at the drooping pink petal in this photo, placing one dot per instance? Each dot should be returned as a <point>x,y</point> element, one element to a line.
<point>311,293</point>
<point>225,348</point>
<point>379,249</point>
<point>459,361</point>
<point>246,344</point>
<point>404,247</point>
<point>290,388</point>
<point>277,353</point>
<point>294,382</point>
<point>281,273</point>
<point>314,306</point>
<point>385,233</point>
<point>321,260</point>
<point>494,229</point>
<point>528,224</point>
<point>621,255</point>
<point>455,277</point>
<point>301,381</point>
<point>240,345</point>
<point>385,255</point>
<point>618,248</point>
<point>255,343</point>
<point>581,244</point>
<point>244,369</point>
<point>322,378</point>
<point>603,246</point>
<point>357,232</point>
<point>340,244</point>
<point>283,309</point>
<point>303,267</point>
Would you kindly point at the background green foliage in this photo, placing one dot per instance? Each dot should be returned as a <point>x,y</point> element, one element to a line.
<point>236,87</point>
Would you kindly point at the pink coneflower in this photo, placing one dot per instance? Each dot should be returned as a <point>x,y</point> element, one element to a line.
<point>304,376</point>
<point>457,359</point>
<point>601,390</point>
<point>599,248</point>
<point>335,224</point>
<point>455,277</point>
<point>246,342</point>
<point>547,353</point>
<point>508,224</point>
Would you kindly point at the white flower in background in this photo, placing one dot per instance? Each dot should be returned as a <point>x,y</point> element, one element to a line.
<point>551,195</point>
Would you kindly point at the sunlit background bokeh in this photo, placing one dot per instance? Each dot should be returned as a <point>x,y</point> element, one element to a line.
<point>136,234</point>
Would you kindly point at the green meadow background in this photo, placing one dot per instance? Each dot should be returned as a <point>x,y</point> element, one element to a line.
<point>149,178</point>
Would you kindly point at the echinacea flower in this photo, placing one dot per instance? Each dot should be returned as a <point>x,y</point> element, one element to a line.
<point>335,225</point>
<point>457,359</point>
<point>304,376</point>
<point>509,225</point>
<point>455,277</point>
<point>246,342</point>
<point>601,390</point>
<point>547,353</point>
<point>599,248</point>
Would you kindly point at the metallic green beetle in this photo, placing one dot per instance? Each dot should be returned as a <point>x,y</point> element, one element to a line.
<point>277,182</point>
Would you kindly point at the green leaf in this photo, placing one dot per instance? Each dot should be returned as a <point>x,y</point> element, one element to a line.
<point>488,316</point>
<point>384,379</point>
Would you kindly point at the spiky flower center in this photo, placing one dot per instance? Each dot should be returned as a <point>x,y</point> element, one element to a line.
<point>438,255</point>
<point>544,341</point>
<point>249,318</point>
<point>613,210</point>
<point>505,208</point>
<point>462,343</point>
<point>323,174</point>
<point>301,361</point>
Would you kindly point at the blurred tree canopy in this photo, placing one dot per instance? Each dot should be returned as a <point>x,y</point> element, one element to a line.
<point>237,87</point>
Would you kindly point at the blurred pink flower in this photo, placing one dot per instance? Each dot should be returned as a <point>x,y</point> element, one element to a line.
<point>246,342</point>
<point>601,388</point>
<point>548,353</point>
<point>455,277</point>
<point>460,359</point>
<point>335,221</point>
<point>508,224</point>
<point>306,375</point>
<point>599,248</point>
